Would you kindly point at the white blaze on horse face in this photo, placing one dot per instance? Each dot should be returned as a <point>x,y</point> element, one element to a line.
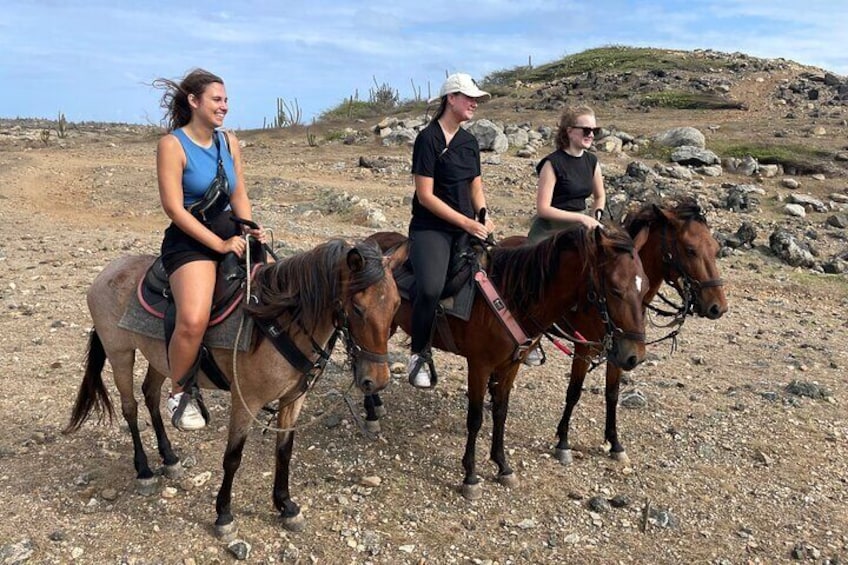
<point>638,283</point>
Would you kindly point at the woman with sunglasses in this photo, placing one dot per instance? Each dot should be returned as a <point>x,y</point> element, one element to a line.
<point>568,176</point>
<point>447,202</point>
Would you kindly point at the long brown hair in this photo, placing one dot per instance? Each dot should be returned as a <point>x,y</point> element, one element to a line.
<point>175,98</point>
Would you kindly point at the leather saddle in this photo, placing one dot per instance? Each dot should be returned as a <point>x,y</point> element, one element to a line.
<point>154,289</point>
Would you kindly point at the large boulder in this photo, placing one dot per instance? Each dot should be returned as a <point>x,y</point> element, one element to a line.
<point>677,137</point>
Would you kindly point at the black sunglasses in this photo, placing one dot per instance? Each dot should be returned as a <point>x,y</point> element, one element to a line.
<point>587,130</point>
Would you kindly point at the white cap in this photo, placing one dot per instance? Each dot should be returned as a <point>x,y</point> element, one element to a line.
<point>460,82</point>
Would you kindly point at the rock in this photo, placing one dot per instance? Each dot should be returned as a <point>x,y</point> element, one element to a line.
<point>790,183</point>
<point>677,137</point>
<point>16,553</point>
<point>784,245</point>
<point>795,210</point>
<point>690,155</point>
<point>633,399</point>
<point>810,390</point>
<point>808,202</point>
<point>240,549</point>
<point>598,504</point>
<point>370,481</point>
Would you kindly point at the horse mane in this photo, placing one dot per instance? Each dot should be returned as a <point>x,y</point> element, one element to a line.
<point>685,209</point>
<point>307,284</point>
<point>523,272</point>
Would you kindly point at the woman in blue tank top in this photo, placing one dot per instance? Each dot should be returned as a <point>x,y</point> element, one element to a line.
<point>186,164</point>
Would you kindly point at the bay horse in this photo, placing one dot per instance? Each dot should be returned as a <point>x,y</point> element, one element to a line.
<point>676,247</point>
<point>334,290</point>
<point>592,273</point>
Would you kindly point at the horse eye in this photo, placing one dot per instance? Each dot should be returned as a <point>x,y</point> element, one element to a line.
<point>691,252</point>
<point>359,310</point>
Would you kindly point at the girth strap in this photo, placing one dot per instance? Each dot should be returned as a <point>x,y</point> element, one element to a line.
<point>498,306</point>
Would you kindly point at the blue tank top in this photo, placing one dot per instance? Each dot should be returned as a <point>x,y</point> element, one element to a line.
<point>201,166</point>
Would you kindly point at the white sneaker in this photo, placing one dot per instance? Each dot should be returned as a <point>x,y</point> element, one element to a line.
<point>421,379</point>
<point>534,357</point>
<point>191,419</point>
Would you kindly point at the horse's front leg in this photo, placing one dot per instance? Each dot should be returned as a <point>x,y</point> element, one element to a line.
<point>474,420</point>
<point>240,417</point>
<point>500,387</point>
<point>289,511</point>
<point>374,410</point>
<point>579,366</point>
<point>610,428</point>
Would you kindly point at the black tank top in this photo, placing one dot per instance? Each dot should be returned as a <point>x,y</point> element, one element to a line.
<point>574,177</point>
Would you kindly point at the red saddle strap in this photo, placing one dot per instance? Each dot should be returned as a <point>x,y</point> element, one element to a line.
<point>499,307</point>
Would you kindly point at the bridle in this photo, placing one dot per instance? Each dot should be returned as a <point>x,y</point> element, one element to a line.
<point>688,288</point>
<point>611,331</point>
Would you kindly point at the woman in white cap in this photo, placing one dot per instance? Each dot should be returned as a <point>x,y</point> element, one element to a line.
<point>447,204</point>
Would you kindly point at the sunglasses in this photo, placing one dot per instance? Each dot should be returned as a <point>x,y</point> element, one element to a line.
<point>587,130</point>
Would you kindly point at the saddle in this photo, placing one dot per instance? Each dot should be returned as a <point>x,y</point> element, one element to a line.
<point>458,294</point>
<point>154,289</point>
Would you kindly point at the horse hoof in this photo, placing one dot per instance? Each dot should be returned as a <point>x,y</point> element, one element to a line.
<point>226,532</point>
<point>621,457</point>
<point>174,471</point>
<point>147,487</point>
<point>373,426</point>
<point>379,411</point>
<point>294,523</point>
<point>564,456</point>
<point>508,481</point>
<point>472,492</point>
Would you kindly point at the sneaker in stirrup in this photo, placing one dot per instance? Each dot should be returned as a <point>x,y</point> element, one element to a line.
<point>421,377</point>
<point>534,357</point>
<point>191,419</point>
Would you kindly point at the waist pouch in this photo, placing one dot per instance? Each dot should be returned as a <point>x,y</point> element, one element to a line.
<point>216,199</point>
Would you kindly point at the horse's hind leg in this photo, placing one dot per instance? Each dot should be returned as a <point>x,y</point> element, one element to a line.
<point>122,369</point>
<point>579,367</point>
<point>152,389</point>
<point>374,410</point>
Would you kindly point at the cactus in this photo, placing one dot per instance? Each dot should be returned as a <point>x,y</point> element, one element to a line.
<point>61,126</point>
<point>45,136</point>
<point>310,138</point>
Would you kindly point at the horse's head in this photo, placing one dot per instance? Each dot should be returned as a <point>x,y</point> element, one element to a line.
<point>680,243</point>
<point>369,302</point>
<point>617,287</point>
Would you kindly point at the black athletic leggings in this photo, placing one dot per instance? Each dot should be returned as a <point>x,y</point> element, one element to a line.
<point>430,254</point>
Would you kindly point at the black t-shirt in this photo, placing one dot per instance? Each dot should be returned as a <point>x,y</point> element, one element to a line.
<point>574,177</point>
<point>452,169</point>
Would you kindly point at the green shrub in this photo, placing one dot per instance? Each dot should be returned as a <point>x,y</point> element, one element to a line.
<point>689,101</point>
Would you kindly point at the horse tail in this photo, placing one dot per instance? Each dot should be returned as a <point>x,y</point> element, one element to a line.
<point>92,393</point>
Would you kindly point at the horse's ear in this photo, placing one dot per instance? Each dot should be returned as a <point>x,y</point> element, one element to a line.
<point>393,261</point>
<point>598,233</point>
<point>355,260</point>
<point>641,238</point>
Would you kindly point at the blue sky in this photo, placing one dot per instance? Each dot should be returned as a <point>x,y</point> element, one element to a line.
<point>95,59</point>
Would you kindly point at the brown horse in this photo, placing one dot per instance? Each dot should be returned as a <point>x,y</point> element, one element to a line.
<point>334,290</point>
<point>595,274</point>
<point>676,247</point>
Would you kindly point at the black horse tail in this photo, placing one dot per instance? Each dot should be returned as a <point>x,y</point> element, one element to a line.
<point>92,393</point>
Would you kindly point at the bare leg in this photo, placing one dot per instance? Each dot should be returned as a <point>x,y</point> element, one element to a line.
<point>192,286</point>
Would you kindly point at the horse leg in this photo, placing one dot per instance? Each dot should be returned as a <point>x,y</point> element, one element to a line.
<point>579,366</point>
<point>122,368</point>
<point>289,511</point>
<point>500,388</point>
<point>152,389</point>
<point>374,410</point>
<point>610,428</point>
<point>474,420</point>
<point>239,426</point>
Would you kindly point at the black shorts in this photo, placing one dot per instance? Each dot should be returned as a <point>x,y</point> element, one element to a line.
<point>179,248</point>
